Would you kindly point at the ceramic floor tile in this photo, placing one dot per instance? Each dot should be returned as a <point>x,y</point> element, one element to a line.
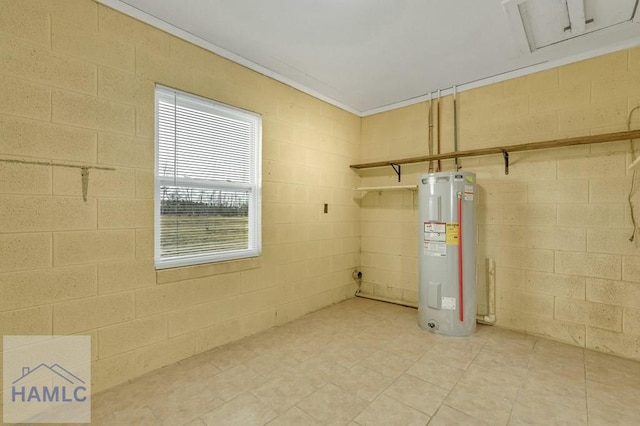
<point>447,416</point>
<point>380,333</point>
<point>573,399</point>
<point>105,403</point>
<point>147,388</point>
<point>231,355</point>
<point>603,399</point>
<point>610,370</point>
<point>195,422</point>
<point>132,416</point>
<point>244,410</point>
<point>499,337</point>
<point>549,347</point>
<point>495,357</point>
<point>188,372</point>
<point>366,362</point>
<point>301,348</point>
<point>367,343</point>
<point>443,376</point>
<point>232,382</point>
<point>387,364</point>
<point>126,396</point>
<point>605,415</point>
<point>294,417</point>
<point>475,402</point>
<point>318,371</point>
<point>417,393</point>
<point>549,384</point>
<point>457,354</point>
<point>558,366</point>
<point>55,416</point>
<point>543,410</point>
<point>494,380</point>
<point>332,405</point>
<point>283,391</point>
<point>521,347</point>
<point>270,362</point>
<point>409,346</point>
<point>344,353</point>
<point>185,404</point>
<point>545,413</point>
<point>362,382</point>
<point>387,411</point>
<point>271,339</point>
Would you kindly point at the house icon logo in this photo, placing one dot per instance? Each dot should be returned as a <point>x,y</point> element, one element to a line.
<point>48,383</point>
<point>46,379</point>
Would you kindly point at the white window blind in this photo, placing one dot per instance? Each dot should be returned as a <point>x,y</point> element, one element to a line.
<point>207,180</point>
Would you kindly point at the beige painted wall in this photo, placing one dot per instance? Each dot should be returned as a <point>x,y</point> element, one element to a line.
<point>77,87</point>
<point>557,226</point>
<point>76,83</point>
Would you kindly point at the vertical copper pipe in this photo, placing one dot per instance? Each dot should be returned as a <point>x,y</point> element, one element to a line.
<point>430,131</point>
<point>438,143</point>
<point>455,126</point>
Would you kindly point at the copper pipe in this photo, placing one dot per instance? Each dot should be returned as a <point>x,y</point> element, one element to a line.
<point>438,134</point>
<point>455,127</point>
<point>430,131</point>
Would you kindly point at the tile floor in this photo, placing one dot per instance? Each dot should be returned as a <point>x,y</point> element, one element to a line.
<point>363,362</point>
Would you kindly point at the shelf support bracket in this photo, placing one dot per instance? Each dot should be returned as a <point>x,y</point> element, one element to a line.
<point>398,169</point>
<point>505,154</point>
<point>85,182</point>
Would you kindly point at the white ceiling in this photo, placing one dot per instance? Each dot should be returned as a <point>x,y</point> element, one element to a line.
<point>368,56</point>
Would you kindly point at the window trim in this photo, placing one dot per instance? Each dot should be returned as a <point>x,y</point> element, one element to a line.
<point>255,190</point>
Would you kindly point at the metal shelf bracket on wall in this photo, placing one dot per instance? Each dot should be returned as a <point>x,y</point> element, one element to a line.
<point>505,155</point>
<point>84,170</point>
<point>398,169</point>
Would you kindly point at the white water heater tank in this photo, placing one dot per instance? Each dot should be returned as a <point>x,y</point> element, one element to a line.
<point>447,258</point>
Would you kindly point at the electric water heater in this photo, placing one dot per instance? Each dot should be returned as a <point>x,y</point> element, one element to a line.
<point>447,258</point>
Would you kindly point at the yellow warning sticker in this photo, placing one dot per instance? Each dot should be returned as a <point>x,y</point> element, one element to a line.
<point>452,234</point>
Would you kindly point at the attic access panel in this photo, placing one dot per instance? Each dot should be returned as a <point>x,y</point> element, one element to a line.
<point>540,23</point>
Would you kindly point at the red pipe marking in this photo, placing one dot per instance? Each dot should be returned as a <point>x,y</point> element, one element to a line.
<point>460,278</point>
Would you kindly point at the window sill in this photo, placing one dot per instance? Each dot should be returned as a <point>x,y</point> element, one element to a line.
<point>171,275</point>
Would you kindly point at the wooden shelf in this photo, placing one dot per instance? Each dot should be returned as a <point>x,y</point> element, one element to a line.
<point>505,150</point>
<point>387,188</point>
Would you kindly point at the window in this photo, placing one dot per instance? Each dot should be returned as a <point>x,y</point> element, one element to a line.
<point>207,181</point>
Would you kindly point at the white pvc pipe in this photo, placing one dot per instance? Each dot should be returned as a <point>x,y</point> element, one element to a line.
<point>490,318</point>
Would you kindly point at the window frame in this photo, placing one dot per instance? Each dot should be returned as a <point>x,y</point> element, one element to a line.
<point>254,189</point>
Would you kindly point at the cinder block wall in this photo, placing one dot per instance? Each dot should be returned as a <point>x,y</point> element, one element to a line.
<point>557,226</point>
<point>77,87</point>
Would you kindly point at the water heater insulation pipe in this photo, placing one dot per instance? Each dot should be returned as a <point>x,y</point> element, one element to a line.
<point>460,277</point>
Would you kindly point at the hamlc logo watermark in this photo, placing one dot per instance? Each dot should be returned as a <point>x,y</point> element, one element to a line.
<point>47,379</point>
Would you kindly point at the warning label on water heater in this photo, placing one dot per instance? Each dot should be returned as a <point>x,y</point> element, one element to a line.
<point>434,248</point>
<point>453,230</point>
<point>449,303</point>
<point>435,238</point>
<point>468,192</point>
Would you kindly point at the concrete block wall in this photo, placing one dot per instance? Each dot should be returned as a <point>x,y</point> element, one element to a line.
<point>557,226</point>
<point>77,87</point>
